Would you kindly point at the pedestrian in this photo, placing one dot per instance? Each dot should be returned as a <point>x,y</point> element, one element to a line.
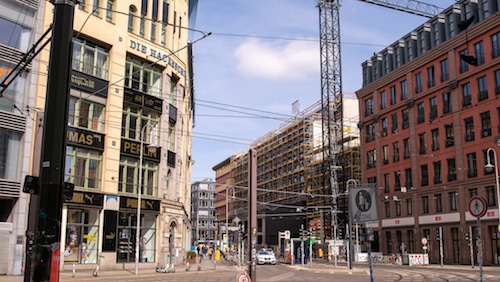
<point>210,252</point>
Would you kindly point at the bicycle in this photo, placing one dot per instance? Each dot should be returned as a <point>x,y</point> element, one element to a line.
<point>96,270</point>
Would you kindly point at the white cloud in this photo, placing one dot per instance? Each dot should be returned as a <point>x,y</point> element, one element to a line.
<point>277,61</point>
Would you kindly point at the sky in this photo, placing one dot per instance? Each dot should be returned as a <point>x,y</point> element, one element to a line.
<point>263,55</point>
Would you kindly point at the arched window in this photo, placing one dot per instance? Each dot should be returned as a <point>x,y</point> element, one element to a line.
<point>131,18</point>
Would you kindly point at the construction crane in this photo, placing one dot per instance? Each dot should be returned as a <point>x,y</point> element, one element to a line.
<point>331,88</point>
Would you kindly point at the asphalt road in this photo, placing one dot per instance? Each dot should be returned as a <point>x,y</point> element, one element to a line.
<point>297,273</point>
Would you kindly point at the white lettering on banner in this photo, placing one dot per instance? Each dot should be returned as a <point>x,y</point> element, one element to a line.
<point>157,54</point>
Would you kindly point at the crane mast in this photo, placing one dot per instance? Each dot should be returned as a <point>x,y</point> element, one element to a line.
<point>331,99</point>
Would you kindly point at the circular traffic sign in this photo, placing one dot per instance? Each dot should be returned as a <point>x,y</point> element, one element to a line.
<point>242,277</point>
<point>477,206</point>
<point>424,241</point>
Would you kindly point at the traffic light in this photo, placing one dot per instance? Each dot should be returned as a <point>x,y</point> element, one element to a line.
<point>438,237</point>
<point>340,233</point>
<point>467,238</point>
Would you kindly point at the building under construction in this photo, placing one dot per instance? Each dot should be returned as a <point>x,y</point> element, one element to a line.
<point>294,190</point>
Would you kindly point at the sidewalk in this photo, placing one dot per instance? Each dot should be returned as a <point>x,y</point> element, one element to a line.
<point>145,270</point>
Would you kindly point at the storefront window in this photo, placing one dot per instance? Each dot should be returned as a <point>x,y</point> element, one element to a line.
<point>127,227</point>
<point>81,241</point>
<point>9,154</point>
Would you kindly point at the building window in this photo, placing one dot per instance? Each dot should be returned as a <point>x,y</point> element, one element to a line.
<point>471,165</point>
<point>404,92</point>
<point>431,81</point>
<point>132,11</point>
<point>128,176</point>
<point>127,230</point>
<point>463,65</point>
<point>171,136</point>
<point>408,179</point>
<point>485,124</point>
<point>82,225</point>
<point>385,151</point>
<point>418,83</point>
<point>433,113</point>
<point>368,107</point>
<point>371,158</point>
<point>164,21</point>
<point>450,138</point>
<point>497,82</point>
<point>394,123</point>
<point>395,155</point>
<point>445,73</point>
<point>406,120</point>
<point>439,202</point>
<point>387,183</point>
<point>387,209</point>
<point>482,87</point>
<point>452,171</point>
<point>370,132</point>
<point>393,94</point>
<point>143,77</point>
<point>422,148</point>
<point>86,114</point>
<point>446,102</point>
<point>109,10</point>
<point>437,172</point>
<point>95,8</point>
<point>154,16</point>
<point>466,95</point>
<point>82,5</point>
<point>134,119</point>
<point>479,49</point>
<point>90,58</point>
<point>420,112</point>
<point>406,148</point>
<point>425,204</point>
<point>383,100</point>
<point>453,200</point>
<point>491,196</point>
<point>409,206</point>
<point>385,126</point>
<point>397,180</point>
<point>83,167</point>
<point>495,45</point>
<point>469,129</point>
<point>424,174</point>
<point>10,154</point>
<point>435,139</point>
<point>455,235</point>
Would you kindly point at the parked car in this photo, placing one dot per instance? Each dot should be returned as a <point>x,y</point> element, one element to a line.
<point>266,257</point>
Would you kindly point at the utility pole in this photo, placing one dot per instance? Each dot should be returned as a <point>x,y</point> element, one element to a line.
<point>252,214</point>
<point>45,226</point>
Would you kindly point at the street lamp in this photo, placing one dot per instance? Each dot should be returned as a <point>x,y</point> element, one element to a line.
<point>152,147</point>
<point>227,213</point>
<point>490,167</point>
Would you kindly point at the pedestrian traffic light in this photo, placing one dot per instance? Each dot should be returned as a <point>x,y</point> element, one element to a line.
<point>467,237</point>
<point>340,233</point>
<point>438,237</point>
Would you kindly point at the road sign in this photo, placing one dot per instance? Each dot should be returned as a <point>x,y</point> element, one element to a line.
<point>424,241</point>
<point>477,206</point>
<point>242,277</point>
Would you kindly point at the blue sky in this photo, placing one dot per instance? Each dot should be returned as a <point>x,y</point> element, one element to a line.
<point>263,55</point>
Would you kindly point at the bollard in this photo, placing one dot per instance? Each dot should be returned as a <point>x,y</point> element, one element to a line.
<point>199,266</point>
<point>74,270</point>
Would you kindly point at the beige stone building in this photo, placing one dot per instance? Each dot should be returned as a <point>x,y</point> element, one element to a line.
<point>130,85</point>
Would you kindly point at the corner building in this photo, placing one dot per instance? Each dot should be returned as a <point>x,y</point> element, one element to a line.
<point>130,84</point>
<point>427,120</point>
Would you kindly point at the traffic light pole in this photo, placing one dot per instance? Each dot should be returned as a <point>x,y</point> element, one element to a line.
<point>471,247</point>
<point>252,215</point>
<point>46,222</point>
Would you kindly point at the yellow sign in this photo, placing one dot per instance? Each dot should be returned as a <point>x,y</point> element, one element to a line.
<point>89,237</point>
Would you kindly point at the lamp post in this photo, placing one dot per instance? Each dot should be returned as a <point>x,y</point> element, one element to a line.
<point>349,249</point>
<point>490,167</point>
<point>139,188</point>
<point>227,216</point>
